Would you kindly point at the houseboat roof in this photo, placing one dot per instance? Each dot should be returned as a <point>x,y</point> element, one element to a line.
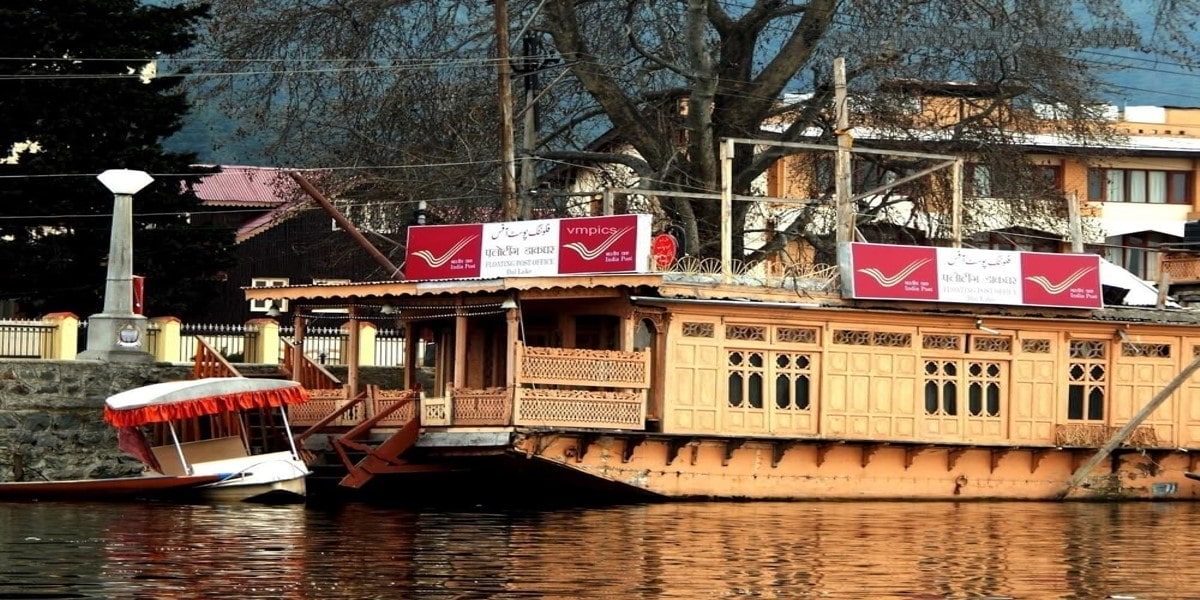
<point>666,288</point>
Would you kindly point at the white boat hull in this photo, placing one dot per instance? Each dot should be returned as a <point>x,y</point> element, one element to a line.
<point>277,476</point>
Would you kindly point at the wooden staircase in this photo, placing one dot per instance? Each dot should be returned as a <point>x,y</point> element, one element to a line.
<point>361,457</point>
<point>381,458</point>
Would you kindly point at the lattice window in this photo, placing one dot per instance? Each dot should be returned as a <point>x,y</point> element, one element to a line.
<point>854,337</point>
<point>892,339</point>
<point>796,335</point>
<point>793,381</point>
<point>1087,376</point>
<point>941,387</point>
<point>746,372</point>
<point>941,342</point>
<point>752,333</point>
<point>1146,350</point>
<point>984,381</point>
<point>991,343</point>
<point>702,330</point>
<point>1035,346</point>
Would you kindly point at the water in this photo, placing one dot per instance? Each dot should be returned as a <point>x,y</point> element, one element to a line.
<point>694,550</point>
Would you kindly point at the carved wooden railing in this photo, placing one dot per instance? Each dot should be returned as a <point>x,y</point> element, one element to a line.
<point>322,403</point>
<point>209,362</point>
<point>1086,435</point>
<point>311,374</point>
<point>622,405</point>
<point>381,401</point>
<point>1182,268</point>
<point>580,408</point>
<point>481,407</point>
<point>578,367</point>
<point>326,408</point>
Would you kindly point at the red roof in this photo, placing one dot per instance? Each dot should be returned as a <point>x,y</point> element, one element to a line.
<point>247,186</point>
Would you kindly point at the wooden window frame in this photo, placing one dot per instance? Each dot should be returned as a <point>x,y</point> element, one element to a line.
<point>1101,181</point>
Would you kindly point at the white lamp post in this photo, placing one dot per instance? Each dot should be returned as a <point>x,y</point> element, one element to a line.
<point>117,334</point>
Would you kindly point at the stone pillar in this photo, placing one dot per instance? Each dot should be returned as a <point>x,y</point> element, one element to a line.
<point>265,350</point>
<point>64,341</point>
<point>117,334</point>
<point>167,343</point>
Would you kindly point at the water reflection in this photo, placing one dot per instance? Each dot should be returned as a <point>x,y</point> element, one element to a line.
<point>829,550</point>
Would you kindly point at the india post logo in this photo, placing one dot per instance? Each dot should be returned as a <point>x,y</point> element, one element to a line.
<point>598,244</point>
<point>443,252</point>
<point>1070,280</point>
<point>894,272</point>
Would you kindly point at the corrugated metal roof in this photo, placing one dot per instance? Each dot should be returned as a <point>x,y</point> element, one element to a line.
<point>247,186</point>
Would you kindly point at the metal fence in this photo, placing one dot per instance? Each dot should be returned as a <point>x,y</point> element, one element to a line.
<point>235,341</point>
<point>26,338</point>
<point>232,340</point>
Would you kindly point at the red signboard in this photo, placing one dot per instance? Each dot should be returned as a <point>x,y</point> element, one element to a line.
<point>597,244</point>
<point>538,248</point>
<point>895,272</point>
<point>1061,279</point>
<point>881,271</point>
<point>444,251</point>
<point>664,248</point>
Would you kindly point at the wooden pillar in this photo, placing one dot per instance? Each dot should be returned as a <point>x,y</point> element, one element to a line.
<point>510,357</point>
<point>299,323</point>
<point>410,356</point>
<point>352,354</point>
<point>460,352</point>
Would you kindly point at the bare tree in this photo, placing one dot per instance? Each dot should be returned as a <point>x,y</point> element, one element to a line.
<point>414,85</point>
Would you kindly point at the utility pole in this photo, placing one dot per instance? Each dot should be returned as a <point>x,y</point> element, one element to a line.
<point>842,180</point>
<point>508,180</point>
<point>531,46</point>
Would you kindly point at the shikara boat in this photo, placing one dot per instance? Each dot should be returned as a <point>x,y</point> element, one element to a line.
<point>209,456</point>
<point>148,487</point>
<point>217,442</point>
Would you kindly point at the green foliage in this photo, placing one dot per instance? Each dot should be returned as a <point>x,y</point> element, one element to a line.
<point>69,82</point>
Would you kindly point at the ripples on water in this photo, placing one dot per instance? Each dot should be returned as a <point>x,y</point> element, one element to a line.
<point>704,550</point>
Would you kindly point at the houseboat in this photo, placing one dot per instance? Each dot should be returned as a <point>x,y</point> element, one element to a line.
<point>569,349</point>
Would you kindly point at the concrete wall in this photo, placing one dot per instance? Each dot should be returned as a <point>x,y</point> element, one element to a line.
<point>51,417</point>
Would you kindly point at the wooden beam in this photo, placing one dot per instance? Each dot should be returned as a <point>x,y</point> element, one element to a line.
<point>345,224</point>
<point>823,450</point>
<point>1120,436</point>
<point>674,445</point>
<point>952,456</point>
<point>352,352</point>
<point>910,454</point>
<point>997,454</point>
<point>778,449</point>
<point>731,446</point>
<point>631,443</point>
<point>1035,458</point>
<point>868,451</point>
<point>582,443</point>
<point>460,352</point>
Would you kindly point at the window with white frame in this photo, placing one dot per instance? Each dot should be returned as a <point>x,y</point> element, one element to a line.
<point>262,306</point>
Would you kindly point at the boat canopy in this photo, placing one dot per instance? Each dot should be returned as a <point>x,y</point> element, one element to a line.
<point>161,402</point>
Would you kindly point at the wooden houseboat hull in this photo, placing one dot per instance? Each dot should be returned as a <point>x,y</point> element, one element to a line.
<point>748,469</point>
